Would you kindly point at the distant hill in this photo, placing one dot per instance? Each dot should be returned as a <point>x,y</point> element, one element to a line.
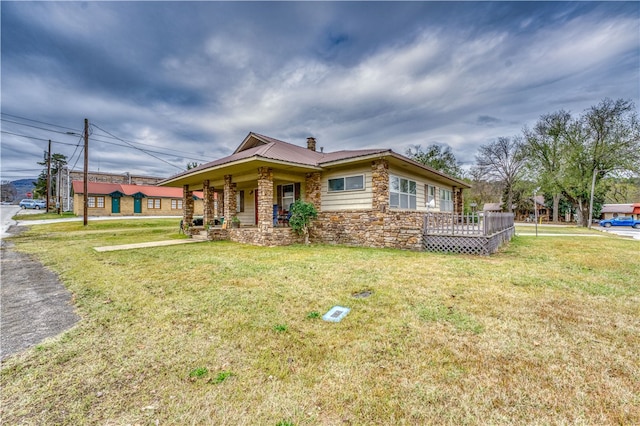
<point>23,186</point>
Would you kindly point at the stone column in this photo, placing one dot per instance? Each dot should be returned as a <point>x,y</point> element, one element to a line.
<point>313,186</point>
<point>458,202</point>
<point>265,198</point>
<point>229,199</point>
<point>207,203</point>
<point>187,205</point>
<point>380,183</point>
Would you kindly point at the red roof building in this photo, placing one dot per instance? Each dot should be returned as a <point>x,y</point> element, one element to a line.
<point>115,199</point>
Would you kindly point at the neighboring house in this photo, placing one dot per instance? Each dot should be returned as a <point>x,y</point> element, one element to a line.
<point>542,210</point>
<point>492,207</point>
<point>610,211</point>
<point>114,199</point>
<point>369,197</point>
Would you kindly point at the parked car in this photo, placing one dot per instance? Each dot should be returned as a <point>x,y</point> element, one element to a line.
<point>28,203</point>
<point>620,221</point>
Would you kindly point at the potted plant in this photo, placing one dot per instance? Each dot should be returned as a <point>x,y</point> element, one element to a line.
<point>235,222</point>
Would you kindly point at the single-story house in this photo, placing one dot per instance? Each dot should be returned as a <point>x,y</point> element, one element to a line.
<point>115,199</point>
<point>368,197</point>
<point>492,207</point>
<point>610,211</point>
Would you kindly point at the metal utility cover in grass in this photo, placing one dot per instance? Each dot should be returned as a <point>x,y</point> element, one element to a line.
<point>336,314</point>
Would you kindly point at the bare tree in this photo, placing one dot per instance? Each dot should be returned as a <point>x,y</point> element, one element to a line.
<point>503,161</point>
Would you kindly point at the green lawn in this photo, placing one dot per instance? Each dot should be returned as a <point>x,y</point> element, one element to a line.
<point>547,331</point>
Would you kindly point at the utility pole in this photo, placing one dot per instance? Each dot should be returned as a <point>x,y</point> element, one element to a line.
<point>58,187</point>
<point>86,170</point>
<point>48,175</point>
<point>593,187</point>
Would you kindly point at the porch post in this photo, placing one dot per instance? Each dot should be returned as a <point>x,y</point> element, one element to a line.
<point>187,205</point>
<point>313,185</point>
<point>380,183</point>
<point>265,198</point>
<point>229,198</point>
<point>458,202</point>
<point>207,203</point>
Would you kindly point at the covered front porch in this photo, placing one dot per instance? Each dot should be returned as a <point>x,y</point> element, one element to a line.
<point>250,206</point>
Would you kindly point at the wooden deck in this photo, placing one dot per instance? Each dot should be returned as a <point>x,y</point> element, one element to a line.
<point>467,234</point>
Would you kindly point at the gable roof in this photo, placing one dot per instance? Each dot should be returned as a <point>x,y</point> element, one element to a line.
<point>257,147</point>
<point>101,188</point>
<point>620,208</point>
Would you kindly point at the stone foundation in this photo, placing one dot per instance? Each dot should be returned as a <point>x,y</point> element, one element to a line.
<point>368,228</point>
<point>271,237</point>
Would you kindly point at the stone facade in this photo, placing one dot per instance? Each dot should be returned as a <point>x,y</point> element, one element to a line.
<point>207,203</point>
<point>187,204</point>
<point>458,201</point>
<point>265,199</point>
<point>380,182</point>
<point>230,204</point>
<point>272,237</point>
<point>313,185</point>
<point>370,228</point>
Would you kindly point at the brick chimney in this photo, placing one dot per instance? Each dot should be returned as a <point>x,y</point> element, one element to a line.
<point>311,143</point>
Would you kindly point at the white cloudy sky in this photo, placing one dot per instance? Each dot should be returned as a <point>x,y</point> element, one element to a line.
<point>188,81</point>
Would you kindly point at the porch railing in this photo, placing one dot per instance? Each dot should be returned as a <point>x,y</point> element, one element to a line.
<point>467,224</point>
<point>474,233</point>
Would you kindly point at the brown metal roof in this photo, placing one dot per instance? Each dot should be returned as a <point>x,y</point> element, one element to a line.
<point>261,147</point>
<point>617,208</point>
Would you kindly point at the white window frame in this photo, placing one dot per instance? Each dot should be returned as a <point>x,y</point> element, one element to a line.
<point>154,203</point>
<point>430,196</point>
<point>446,200</point>
<point>176,204</point>
<point>406,192</point>
<point>287,200</point>
<point>95,202</point>
<point>345,183</point>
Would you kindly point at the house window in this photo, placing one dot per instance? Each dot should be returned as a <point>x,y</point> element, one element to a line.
<point>348,183</point>
<point>153,203</point>
<point>95,202</point>
<point>402,193</point>
<point>288,195</point>
<point>430,196</point>
<point>176,204</point>
<point>446,200</point>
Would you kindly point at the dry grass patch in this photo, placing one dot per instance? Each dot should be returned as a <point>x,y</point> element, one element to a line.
<point>544,332</point>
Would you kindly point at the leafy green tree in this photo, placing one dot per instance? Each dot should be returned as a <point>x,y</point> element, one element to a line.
<point>439,157</point>
<point>58,161</point>
<point>574,155</point>
<point>192,165</point>
<point>605,140</point>
<point>622,190</point>
<point>302,213</point>
<point>545,152</point>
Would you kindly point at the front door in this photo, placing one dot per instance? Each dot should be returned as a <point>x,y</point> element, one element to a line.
<point>115,205</point>
<point>137,205</point>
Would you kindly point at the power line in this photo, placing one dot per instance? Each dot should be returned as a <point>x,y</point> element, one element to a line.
<point>39,122</point>
<point>139,149</point>
<point>36,138</point>
<point>197,157</point>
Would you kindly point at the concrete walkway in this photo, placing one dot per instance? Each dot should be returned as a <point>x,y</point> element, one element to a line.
<point>144,245</point>
<point>540,234</point>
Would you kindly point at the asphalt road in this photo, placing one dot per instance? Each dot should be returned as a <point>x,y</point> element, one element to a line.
<point>34,305</point>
